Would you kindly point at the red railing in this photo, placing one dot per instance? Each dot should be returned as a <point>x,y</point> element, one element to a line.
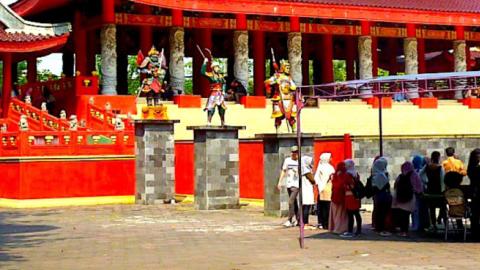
<point>57,143</point>
<point>37,119</point>
<point>101,118</point>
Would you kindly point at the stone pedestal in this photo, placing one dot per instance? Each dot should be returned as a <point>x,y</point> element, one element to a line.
<point>155,161</point>
<point>216,151</point>
<point>276,147</point>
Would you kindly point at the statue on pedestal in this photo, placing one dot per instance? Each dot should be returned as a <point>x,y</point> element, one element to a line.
<point>217,89</point>
<point>23,123</point>
<point>154,69</point>
<point>283,100</point>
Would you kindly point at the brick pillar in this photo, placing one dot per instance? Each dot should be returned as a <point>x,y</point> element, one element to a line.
<point>155,161</point>
<point>216,163</point>
<point>276,147</point>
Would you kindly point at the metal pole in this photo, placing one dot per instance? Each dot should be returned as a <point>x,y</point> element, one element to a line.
<point>300,176</point>
<point>380,124</point>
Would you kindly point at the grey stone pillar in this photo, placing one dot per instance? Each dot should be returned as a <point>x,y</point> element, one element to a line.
<point>411,65</point>
<point>176,65</point>
<point>460,55</point>
<point>276,147</point>
<point>108,40</point>
<point>294,45</point>
<point>155,161</point>
<point>216,151</point>
<point>240,68</point>
<point>366,63</point>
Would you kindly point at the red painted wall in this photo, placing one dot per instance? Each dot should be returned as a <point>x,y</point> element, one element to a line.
<point>251,169</point>
<point>184,168</point>
<point>336,147</point>
<point>62,179</point>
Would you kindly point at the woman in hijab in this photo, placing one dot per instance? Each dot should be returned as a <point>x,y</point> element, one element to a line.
<point>382,198</point>
<point>352,203</point>
<point>407,184</point>
<point>420,215</point>
<point>323,179</point>
<point>338,219</point>
<point>308,181</point>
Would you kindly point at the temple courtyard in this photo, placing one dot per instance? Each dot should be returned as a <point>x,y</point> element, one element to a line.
<point>179,237</point>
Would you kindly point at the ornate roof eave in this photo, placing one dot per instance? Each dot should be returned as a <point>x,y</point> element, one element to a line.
<point>16,24</point>
<point>32,7</point>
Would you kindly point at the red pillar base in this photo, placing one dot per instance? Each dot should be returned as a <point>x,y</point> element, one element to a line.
<point>386,102</point>
<point>472,103</point>
<point>426,103</point>
<point>253,101</point>
<point>188,101</point>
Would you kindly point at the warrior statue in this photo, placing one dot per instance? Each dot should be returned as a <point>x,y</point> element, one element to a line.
<point>217,88</point>
<point>153,66</point>
<point>283,100</point>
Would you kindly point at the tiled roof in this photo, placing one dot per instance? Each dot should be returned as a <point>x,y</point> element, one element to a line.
<point>23,37</point>
<point>468,6</point>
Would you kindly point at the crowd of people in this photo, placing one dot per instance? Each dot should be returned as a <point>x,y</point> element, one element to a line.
<point>414,200</point>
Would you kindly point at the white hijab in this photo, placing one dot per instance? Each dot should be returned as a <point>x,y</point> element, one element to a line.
<point>324,171</point>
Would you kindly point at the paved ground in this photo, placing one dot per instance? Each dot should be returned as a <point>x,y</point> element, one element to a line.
<point>177,237</point>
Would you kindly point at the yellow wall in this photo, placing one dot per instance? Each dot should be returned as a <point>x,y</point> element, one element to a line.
<point>336,118</point>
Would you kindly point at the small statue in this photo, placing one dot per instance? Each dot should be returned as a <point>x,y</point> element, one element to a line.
<point>44,107</point>
<point>119,124</point>
<point>108,107</point>
<point>28,100</point>
<point>63,115</point>
<point>217,88</point>
<point>4,128</point>
<point>91,100</point>
<point>83,123</point>
<point>23,123</point>
<point>73,123</point>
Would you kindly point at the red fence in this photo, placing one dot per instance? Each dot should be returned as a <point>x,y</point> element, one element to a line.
<point>60,143</point>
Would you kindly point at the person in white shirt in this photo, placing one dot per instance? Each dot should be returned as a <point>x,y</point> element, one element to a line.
<point>308,181</point>
<point>323,179</point>
<point>289,172</point>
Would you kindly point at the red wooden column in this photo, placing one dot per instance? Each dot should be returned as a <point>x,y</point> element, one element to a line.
<point>80,43</point>
<point>146,35</point>
<point>91,51</point>
<point>32,69</point>
<point>108,11</point>
<point>258,39</point>
<point>7,83</point>
<point>422,65</point>
<point>327,59</point>
<point>393,50</point>
<point>203,38</point>
<point>374,57</point>
<point>351,49</point>
<point>305,61</point>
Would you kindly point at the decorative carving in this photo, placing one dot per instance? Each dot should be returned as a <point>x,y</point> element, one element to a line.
<point>460,55</point>
<point>23,123</point>
<point>176,65</point>
<point>73,123</point>
<point>366,63</point>
<point>411,55</point>
<point>240,68</point>
<point>294,45</point>
<point>108,41</point>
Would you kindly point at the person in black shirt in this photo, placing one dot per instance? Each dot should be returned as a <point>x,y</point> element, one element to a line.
<point>435,187</point>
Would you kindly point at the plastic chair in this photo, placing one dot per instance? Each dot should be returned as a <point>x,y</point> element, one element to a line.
<point>457,210</point>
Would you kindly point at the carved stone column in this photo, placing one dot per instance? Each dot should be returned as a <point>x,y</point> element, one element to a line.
<point>177,66</point>
<point>108,41</point>
<point>411,64</point>
<point>240,68</point>
<point>460,55</point>
<point>366,62</point>
<point>294,45</point>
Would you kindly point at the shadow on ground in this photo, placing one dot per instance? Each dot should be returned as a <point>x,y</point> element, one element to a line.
<point>16,234</point>
<point>369,235</point>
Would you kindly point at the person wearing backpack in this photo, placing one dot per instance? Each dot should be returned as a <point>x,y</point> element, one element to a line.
<point>353,195</point>
<point>407,184</point>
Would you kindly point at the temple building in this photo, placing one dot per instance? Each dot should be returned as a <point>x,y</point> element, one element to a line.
<point>401,37</point>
